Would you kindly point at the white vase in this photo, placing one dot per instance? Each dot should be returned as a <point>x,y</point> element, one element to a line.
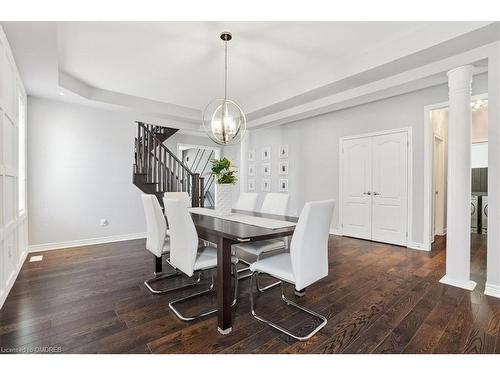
<point>223,198</point>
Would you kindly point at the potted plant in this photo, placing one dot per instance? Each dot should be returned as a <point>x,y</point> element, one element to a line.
<point>224,173</point>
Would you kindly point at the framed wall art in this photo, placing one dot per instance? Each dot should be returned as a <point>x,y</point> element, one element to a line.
<point>251,184</point>
<point>266,153</point>
<point>266,169</point>
<point>284,185</point>
<point>283,167</point>
<point>251,155</point>
<point>266,184</point>
<point>251,170</point>
<point>283,151</point>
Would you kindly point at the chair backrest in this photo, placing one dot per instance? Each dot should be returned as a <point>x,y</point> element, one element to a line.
<point>183,236</point>
<point>182,195</point>
<point>156,226</point>
<point>309,246</point>
<point>246,202</point>
<point>275,204</point>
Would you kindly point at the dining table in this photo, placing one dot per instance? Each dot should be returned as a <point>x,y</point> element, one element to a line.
<point>225,232</point>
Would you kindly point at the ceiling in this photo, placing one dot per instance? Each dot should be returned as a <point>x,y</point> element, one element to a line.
<point>175,68</point>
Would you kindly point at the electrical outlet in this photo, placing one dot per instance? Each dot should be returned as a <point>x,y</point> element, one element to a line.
<point>104,222</point>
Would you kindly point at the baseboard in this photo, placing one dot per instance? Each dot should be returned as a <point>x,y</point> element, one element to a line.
<point>467,284</point>
<point>418,246</point>
<point>492,290</point>
<point>84,242</point>
<point>12,279</point>
<point>335,231</point>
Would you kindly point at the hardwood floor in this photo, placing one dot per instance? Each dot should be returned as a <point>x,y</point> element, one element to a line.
<point>377,298</point>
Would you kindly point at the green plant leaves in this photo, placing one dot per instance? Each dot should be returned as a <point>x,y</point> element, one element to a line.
<point>224,171</point>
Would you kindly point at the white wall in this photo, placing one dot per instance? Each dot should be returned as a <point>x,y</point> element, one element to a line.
<point>479,155</point>
<point>80,170</point>
<point>314,146</point>
<point>480,125</point>
<point>13,223</point>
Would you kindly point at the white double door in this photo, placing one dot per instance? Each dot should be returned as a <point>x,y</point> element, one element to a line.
<point>375,187</point>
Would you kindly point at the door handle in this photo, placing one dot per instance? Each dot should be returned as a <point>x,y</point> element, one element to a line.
<point>367,193</point>
<point>375,193</point>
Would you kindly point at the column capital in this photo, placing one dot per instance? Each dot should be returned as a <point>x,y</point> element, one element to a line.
<point>460,77</point>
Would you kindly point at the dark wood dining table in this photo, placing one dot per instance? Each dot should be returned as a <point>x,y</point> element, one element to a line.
<point>225,233</point>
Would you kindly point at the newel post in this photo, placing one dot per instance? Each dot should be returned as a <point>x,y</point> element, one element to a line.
<point>195,190</point>
<point>202,191</point>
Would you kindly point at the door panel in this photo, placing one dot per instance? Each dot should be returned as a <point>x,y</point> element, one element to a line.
<point>356,182</point>
<point>389,199</point>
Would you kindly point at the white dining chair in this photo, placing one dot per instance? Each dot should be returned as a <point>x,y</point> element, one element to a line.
<point>246,202</point>
<point>157,242</point>
<point>275,204</point>
<point>182,195</point>
<point>186,257</point>
<point>306,263</point>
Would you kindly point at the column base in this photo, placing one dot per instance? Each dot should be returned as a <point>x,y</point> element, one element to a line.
<point>464,284</point>
<point>224,331</point>
<point>492,290</point>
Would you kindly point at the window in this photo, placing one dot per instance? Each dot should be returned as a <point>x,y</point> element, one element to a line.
<point>22,155</point>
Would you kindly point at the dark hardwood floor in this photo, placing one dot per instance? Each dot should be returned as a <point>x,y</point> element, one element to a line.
<point>378,299</point>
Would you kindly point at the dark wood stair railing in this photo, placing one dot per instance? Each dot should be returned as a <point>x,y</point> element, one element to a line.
<point>158,170</point>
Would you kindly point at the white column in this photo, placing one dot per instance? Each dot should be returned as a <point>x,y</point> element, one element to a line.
<point>493,247</point>
<point>459,179</point>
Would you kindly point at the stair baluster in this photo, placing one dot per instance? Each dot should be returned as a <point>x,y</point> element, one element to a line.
<point>157,170</point>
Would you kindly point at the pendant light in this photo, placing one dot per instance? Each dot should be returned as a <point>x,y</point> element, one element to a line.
<point>223,119</point>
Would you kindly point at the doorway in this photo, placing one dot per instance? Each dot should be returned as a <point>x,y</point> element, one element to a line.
<point>439,123</point>
<point>197,158</point>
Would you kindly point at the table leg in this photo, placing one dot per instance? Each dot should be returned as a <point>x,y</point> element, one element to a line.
<point>158,265</point>
<point>224,289</point>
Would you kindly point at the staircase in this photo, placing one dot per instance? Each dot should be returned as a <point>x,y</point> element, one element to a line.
<point>157,170</point>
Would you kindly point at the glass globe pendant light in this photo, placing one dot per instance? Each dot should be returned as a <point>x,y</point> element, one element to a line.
<point>223,119</point>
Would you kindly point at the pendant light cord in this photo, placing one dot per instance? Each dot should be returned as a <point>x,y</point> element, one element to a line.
<point>225,69</point>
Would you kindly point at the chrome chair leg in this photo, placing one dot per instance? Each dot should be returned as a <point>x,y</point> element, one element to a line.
<point>289,303</point>
<point>260,289</point>
<point>158,277</point>
<point>244,269</point>
<point>210,289</point>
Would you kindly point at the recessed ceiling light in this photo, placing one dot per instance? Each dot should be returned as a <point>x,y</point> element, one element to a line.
<point>61,93</point>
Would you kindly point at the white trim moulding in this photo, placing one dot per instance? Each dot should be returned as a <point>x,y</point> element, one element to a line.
<point>84,242</point>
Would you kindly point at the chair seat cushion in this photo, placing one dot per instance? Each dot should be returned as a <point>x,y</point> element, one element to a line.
<point>279,266</point>
<point>207,258</point>
<point>257,248</point>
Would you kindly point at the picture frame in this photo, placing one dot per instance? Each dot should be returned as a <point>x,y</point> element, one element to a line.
<point>283,167</point>
<point>251,155</point>
<point>266,184</point>
<point>266,153</point>
<point>266,169</point>
<point>283,185</point>
<point>251,184</point>
<point>283,151</point>
<point>251,170</point>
